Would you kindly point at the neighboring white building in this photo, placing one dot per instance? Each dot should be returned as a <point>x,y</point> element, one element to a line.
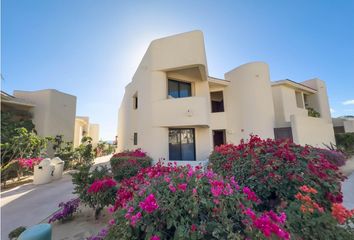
<point>173,110</point>
<point>343,124</point>
<point>53,112</point>
<point>83,127</point>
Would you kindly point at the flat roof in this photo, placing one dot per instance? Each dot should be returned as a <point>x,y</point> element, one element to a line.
<point>7,98</point>
<point>295,85</point>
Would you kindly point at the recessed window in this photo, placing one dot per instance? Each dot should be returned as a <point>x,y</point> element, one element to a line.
<point>217,101</point>
<point>177,89</point>
<point>181,144</point>
<point>135,138</point>
<point>135,101</point>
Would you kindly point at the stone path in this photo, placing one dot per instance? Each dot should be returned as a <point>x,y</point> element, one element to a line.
<point>29,204</point>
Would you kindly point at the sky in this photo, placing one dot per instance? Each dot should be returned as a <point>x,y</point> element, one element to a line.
<point>91,48</point>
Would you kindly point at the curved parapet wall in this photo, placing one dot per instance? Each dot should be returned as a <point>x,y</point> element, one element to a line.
<point>250,104</point>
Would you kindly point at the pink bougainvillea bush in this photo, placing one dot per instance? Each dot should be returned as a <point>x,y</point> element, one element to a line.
<point>128,163</point>
<point>29,163</point>
<point>275,169</point>
<point>170,202</point>
<point>96,188</point>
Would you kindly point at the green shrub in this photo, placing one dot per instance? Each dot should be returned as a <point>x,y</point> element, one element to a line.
<point>313,113</point>
<point>275,169</point>
<point>96,188</point>
<point>16,232</point>
<point>345,142</point>
<point>127,164</point>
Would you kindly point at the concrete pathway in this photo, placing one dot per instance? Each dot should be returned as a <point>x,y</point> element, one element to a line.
<point>29,204</point>
<point>348,192</point>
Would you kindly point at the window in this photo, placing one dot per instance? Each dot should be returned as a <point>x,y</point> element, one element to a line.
<point>217,101</point>
<point>182,144</point>
<point>178,89</point>
<point>135,101</point>
<point>219,137</point>
<point>135,138</point>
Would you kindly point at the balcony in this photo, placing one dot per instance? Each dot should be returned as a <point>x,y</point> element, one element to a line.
<point>180,112</point>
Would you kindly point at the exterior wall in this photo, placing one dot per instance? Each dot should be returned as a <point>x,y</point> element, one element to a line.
<point>284,99</point>
<point>54,112</point>
<point>349,126</point>
<point>83,127</point>
<point>319,101</point>
<point>94,134</point>
<point>179,57</point>
<point>251,105</point>
<point>312,131</point>
<point>249,102</point>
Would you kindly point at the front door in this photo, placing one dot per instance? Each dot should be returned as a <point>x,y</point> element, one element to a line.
<point>181,144</point>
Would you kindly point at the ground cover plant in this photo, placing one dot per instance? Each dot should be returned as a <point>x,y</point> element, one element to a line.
<point>170,202</point>
<point>126,164</point>
<point>67,210</point>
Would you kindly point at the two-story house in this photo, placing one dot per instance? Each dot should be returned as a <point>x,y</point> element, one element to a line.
<point>175,111</point>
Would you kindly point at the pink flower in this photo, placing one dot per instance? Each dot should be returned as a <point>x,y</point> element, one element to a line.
<point>149,204</point>
<point>101,185</point>
<point>250,194</point>
<point>195,191</point>
<point>111,222</point>
<point>182,187</point>
<point>193,228</point>
<point>155,237</point>
<point>135,218</point>
<point>172,188</point>
<point>167,179</point>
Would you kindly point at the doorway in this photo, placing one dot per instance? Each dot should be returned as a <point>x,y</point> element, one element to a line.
<point>219,137</point>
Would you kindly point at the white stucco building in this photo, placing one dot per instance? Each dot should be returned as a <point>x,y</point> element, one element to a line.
<point>174,110</point>
<point>53,112</point>
<point>83,127</point>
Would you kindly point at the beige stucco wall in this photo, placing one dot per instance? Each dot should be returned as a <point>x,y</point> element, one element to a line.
<point>348,126</point>
<point>312,131</point>
<point>94,133</point>
<point>284,100</point>
<point>54,112</point>
<point>83,127</point>
<point>248,102</point>
<point>319,101</point>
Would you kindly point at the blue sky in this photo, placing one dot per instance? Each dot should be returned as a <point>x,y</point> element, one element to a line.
<point>91,48</point>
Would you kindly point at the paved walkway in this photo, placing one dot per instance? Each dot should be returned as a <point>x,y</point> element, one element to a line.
<point>348,192</point>
<point>30,204</point>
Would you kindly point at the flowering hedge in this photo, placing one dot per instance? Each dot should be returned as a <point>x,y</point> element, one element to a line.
<point>127,164</point>
<point>170,202</point>
<point>275,169</point>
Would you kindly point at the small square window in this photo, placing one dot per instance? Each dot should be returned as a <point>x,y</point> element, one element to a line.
<point>135,138</point>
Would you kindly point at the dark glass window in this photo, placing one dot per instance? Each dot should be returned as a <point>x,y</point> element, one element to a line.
<point>178,89</point>
<point>217,101</point>
<point>181,144</point>
<point>135,138</point>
